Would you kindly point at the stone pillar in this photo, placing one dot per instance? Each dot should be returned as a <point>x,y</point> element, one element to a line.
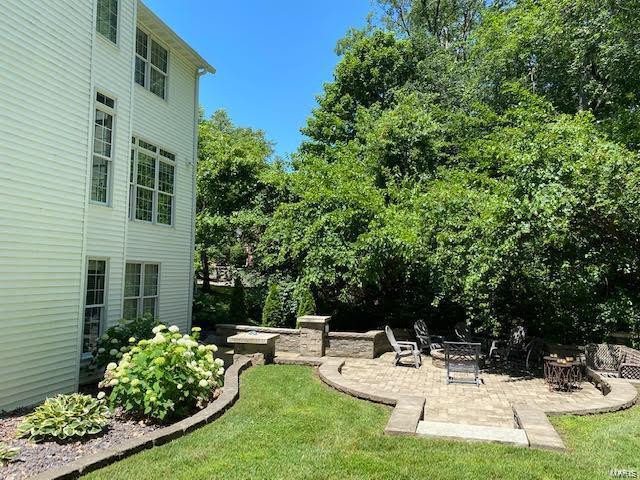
<point>313,330</point>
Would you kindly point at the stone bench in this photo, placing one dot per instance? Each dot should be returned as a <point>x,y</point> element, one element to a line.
<point>260,346</point>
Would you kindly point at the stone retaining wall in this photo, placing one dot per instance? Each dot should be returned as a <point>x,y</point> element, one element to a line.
<point>289,340</point>
<point>336,344</point>
<point>356,345</point>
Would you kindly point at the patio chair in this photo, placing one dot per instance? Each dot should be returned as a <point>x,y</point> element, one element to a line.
<point>613,360</point>
<point>403,349</point>
<point>465,334</point>
<point>503,349</point>
<point>462,357</point>
<point>427,341</point>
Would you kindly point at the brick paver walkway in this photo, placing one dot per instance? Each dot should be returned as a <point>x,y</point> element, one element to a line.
<point>489,404</point>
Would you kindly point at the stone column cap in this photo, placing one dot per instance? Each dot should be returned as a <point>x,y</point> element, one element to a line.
<point>253,338</point>
<point>314,319</point>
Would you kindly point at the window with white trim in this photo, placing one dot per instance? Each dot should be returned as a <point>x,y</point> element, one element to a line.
<point>94,303</point>
<point>152,63</point>
<point>140,290</point>
<point>152,183</point>
<point>102,148</point>
<point>107,19</point>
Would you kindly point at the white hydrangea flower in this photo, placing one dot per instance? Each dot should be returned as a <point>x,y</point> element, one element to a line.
<point>203,383</point>
<point>220,371</point>
<point>190,380</point>
<point>219,362</point>
<point>113,382</point>
<point>179,386</point>
<point>196,329</point>
<point>201,348</point>
<point>132,339</point>
<point>174,329</point>
<point>113,352</point>
<point>101,350</point>
<point>157,329</point>
<point>111,366</point>
<point>105,337</point>
<point>101,395</point>
<point>119,355</point>
<point>124,349</point>
<point>114,341</point>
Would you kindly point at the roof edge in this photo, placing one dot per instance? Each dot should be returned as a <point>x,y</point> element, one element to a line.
<point>168,31</point>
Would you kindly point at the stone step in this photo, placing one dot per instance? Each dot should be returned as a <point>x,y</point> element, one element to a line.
<point>459,431</point>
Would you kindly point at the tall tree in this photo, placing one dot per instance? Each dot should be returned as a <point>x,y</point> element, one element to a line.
<point>237,186</point>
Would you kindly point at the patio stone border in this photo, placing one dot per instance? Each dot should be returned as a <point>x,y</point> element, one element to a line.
<point>88,463</point>
<point>406,415</point>
<point>618,394</point>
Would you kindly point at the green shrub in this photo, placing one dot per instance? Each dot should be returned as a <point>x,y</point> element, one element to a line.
<point>238,308</point>
<point>211,308</point>
<point>273,311</point>
<point>117,340</point>
<point>168,376</point>
<point>65,416</point>
<point>7,454</point>
<point>306,304</point>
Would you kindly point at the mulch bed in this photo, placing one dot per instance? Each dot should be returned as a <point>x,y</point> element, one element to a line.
<point>35,458</point>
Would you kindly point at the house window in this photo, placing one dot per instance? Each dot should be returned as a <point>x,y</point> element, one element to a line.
<point>107,19</point>
<point>102,148</point>
<point>94,303</point>
<point>140,290</point>
<point>152,183</point>
<point>152,62</point>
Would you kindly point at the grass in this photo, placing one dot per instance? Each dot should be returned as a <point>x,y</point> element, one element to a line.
<point>288,425</point>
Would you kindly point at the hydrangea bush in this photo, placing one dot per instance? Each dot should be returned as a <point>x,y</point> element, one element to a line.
<point>116,341</point>
<point>167,376</point>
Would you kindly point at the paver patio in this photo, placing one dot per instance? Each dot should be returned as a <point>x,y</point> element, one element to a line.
<point>490,404</point>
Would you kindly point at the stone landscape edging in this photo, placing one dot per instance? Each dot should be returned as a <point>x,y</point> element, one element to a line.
<point>88,463</point>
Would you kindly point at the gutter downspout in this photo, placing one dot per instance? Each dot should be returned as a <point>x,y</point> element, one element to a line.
<point>196,116</point>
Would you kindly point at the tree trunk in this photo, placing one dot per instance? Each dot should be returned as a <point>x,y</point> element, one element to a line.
<point>206,279</point>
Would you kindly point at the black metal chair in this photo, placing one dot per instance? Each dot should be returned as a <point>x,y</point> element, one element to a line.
<point>462,358</point>
<point>427,341</point>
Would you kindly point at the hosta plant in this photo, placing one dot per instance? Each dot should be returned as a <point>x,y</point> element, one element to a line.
<point>7,453</point>
<point>118,340</point>
<point>168,376</point>
<point>65,416</point>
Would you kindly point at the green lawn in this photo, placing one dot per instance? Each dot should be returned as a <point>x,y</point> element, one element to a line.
<point>287,424</point>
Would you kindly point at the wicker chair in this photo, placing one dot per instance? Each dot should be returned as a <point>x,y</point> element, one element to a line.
<point>427,341</point>
<point>613,360</point>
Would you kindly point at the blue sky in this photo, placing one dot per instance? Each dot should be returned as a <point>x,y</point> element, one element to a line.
<point>271,56</point>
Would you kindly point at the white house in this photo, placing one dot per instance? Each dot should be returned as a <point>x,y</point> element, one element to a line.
<point>98,140</point>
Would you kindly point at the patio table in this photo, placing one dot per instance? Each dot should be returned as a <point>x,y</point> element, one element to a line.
<point>562,375</point>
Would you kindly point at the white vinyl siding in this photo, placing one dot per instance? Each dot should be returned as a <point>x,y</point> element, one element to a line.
<point>152,64</point>
<point>54,64</point>
<point>107,19</point>
<point>45,85</point>
<point>152,183</point>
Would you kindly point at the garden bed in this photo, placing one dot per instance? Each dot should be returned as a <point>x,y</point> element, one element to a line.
<point>35,458</point>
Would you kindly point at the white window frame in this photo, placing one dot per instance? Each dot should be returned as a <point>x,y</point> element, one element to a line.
<point>136,148</point>
<point>112,112</point>
<point>148,66</point>
<point>103,305</point>
<point>115,42</point>
<point>140,298</point>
